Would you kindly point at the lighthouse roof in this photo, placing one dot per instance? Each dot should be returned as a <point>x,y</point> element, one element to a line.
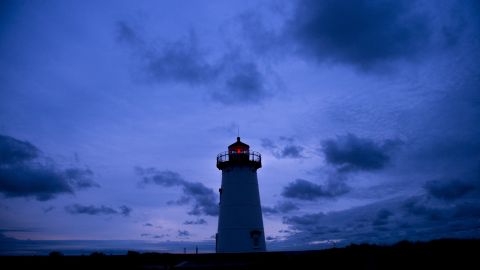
<point>238,145</point>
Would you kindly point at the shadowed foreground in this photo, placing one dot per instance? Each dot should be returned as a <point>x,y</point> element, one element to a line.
<point>453,254</point>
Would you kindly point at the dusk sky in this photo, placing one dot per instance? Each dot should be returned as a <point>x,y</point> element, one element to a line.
<point>366,113</point>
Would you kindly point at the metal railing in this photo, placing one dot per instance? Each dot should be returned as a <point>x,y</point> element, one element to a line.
<point>243,155</point>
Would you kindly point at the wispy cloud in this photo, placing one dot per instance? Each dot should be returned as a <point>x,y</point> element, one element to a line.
<point>76,209</point>
<point>285,147</point>
<point>205,200</point>
<point>199,221</point>
<point>231,78</point>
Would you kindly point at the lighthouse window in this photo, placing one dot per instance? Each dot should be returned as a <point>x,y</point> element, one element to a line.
<point>255,235</point>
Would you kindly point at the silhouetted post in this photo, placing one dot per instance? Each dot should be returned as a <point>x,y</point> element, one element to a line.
<point>184,250</point>
<point>196,249</point>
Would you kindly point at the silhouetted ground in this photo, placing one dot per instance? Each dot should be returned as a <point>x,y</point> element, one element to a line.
<point>444,254</point>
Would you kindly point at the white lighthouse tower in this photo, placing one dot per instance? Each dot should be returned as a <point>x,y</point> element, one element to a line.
<point>240,223</point>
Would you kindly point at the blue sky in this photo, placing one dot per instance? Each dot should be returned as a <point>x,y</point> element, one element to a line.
<point>365,112</point>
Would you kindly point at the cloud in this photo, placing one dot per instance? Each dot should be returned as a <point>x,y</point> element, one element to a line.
<point>418,206</point>
<point>23,173</point>
<point>48,209</point>
<point>448,189</point>
<point>148,225</point>
<point>244,84</point>
<point>351,153</point>
<point>13,151</point>
<point>76,209</point>
<point>43,183</point>
<point>465,212</point>
<point>307,219</point>
<point>231,79</point>
<point>382,217</point>
<point>80,178</point>
<point>199,221</point>
<point>183,233</point>
<point>362,33</point>
<point>284,148</point>
<point>163,178</point>
<point>181,61</point>
<point>280,208</point>
<point>204,198</point>
<point>126,33</point>
<point>305,190</point>
<point>387,221</point>
<point>125,210</point>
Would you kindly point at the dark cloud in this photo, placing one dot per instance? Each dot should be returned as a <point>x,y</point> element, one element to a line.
<point>76,209</point>
<point>467,211</point>
<point>286,207</point>
<point>306,190</point>
<point>164,178</point>
<point>292,151</point>
<point>382,217</point>
<point>305,220</point>
<point>419,207</point>
<point>366,34</point>
<point>80,178</point>
<point>148,225</point>
<point>263,39</point>
<point>204,199</point>
<point>199,221</point>
<point>351,153</point>
<point>285,147</point>
<point>13,151</point>
<point>183,233</point>
<point>448,189</point>
<point>43,183</point>
<point>48,209</point>
<point>245,84</point>
<point>126,33</point>
<point>280,208</point>
<point>182,201</point>
<point>125,210</point>
<point>387,221</point>
<point>232,79</point>
<point>24,174</point>
<point>181,61</point>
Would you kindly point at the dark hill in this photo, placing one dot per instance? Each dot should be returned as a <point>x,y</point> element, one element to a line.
<point>442,254</point>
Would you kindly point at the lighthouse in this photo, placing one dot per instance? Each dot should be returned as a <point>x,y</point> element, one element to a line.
<point>240,223</point>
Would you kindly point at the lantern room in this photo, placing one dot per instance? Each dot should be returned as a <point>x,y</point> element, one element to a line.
<point>238,147</point>
<point>239,154</point>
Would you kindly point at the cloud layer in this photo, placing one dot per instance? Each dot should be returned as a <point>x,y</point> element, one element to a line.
<point>362,33</point>
<point>24,174</point>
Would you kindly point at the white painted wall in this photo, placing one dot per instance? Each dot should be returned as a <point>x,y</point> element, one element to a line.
<point>240,211</point>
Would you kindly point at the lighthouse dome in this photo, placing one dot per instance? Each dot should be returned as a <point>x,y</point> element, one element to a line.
<point>238,147</point>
